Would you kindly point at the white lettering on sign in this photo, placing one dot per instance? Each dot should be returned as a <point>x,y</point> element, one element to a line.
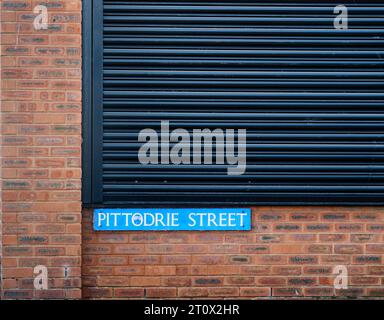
<point>163,219</point>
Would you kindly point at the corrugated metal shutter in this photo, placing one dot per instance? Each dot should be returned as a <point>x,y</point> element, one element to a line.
<point>310,96</point>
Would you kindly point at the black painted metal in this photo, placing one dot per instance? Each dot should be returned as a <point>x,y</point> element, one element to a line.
<point>87,104</point>
<point>311,98</point>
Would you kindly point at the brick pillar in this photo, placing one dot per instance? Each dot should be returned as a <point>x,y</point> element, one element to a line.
<point>41,142</point>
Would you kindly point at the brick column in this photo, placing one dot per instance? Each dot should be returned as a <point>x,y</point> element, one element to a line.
<point>41,139</point>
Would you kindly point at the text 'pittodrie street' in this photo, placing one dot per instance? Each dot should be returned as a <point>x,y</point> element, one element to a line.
<point>172,219</point>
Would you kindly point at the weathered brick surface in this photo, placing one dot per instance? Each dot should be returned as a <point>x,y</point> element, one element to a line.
<point>41,142</point>
<point>290,252</point>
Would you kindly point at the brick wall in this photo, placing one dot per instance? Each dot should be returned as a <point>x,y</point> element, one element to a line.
<point>290,252</point>
<point>41,138</point>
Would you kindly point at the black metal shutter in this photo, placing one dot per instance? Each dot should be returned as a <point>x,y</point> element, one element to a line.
<point>310,96</point>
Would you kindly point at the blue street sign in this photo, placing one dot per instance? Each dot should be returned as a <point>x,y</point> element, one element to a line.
<point>172,219</point>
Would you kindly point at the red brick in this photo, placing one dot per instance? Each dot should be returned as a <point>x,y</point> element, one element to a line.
<point>128,292</point>
<point>375,292</point>
<point>145,281</point>
<point>113,281</point>
<point>348,249</point>
<point>254,292</point>
<point>192,292</point>
<point>97,292</point>
<point>161,292</point>
<point>287,292</point>
<point>176,281</point>
<point>318,292</point>
<point>271,281</point>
